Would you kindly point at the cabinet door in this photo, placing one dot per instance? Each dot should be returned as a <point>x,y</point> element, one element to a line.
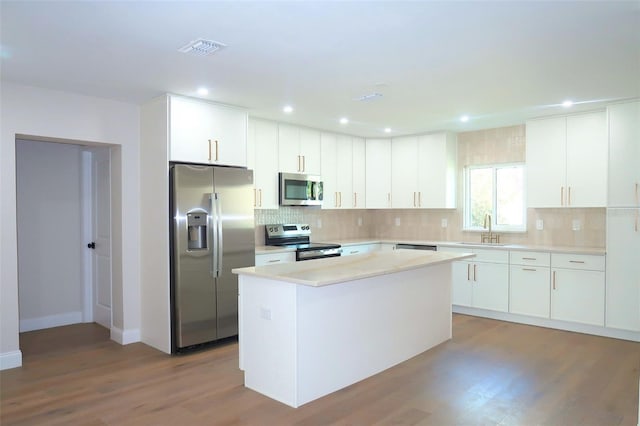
<point>623,269</point>
<point>461,281</point>
<point>530,291</point>
<point>586,160</point>
<point>265,176</point>
<point>359,249</point>
<point>274,258</point>
<point>310,151</point>
<point>344,172</point>
<point>190,131</point>
<point>289,159</point>
<point>229,134</point>
<point>490,286</point>
<point>546,162</point>
<point>404,172</point>
<point>328,152</point>
<point>437,171</point>
<point>359,174</point>
<point>378,179</point>
<point>624,155</point>
<point>577,296</point>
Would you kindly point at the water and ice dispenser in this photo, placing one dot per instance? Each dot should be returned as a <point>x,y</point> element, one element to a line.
<point>197,230</point>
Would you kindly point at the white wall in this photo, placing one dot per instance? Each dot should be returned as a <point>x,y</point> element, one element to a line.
<point>50,250</point>
<point>44,113</point>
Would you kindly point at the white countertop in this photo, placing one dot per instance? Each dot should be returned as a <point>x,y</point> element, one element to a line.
<point>470,245</point>
<point>321,272</point>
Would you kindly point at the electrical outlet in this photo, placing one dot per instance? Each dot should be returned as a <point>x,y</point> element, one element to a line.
<point>397,221</point>
<point>444,223</point>
<point>576,225</point>
<point>265,313</point>
<point>319,223</point>
<point>539,225</point>
<point>359,221</point>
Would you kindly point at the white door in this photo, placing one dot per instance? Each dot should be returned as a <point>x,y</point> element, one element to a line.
<point>101,259</point>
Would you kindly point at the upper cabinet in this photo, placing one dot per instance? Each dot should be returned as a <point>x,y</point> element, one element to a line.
<point>567,161</point>
<point>208,133</point>
<point>263,159</point>
<point>624,154</point>
<point>298,149</point>
<point>378,179</point>
<point>359,183</point>
<point>340,174</point>
<point>423,171</point>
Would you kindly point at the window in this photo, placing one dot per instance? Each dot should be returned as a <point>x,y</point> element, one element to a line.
<point>497,190</point>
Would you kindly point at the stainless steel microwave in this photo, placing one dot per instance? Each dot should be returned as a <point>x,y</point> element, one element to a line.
<point>297,189</point>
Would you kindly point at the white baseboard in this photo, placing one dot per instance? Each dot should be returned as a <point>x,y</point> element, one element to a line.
<point>124,337</point>
<point>615,333</point>
<point>11,359</point>
<point>49,321</point>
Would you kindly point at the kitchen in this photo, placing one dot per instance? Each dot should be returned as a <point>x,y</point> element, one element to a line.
<point>28,111</point>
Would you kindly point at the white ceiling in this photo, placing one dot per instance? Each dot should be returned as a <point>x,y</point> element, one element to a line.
<point>498,62</point>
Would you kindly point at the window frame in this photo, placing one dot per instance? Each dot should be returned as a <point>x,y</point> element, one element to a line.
<point>467,198</point>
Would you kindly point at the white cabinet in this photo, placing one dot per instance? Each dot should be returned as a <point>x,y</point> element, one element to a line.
<point>378,179</point>
<point>337,171</point>
<point>624,154</point>
<point>530,286</point>
<point>274,258</point>
<point>298,149</point>
<point>387,246</point>
<point>423,171</point>
<point>567,161</point>
<point>263,158</point>
<point>578,288</point>
<point>359,175</point>
<point>204,132</point>
<point>623,269</point>
<point>483,281</point>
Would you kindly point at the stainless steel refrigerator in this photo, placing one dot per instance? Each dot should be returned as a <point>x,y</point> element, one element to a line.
<point>212,232</point>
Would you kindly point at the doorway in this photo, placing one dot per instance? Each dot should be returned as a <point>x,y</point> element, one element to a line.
<point>63,196</point>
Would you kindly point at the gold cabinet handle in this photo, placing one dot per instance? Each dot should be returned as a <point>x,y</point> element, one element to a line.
<point>389,199</point>
<point>355,199</point>
<point>274,260</point>
<point>528,258</point>
<point>299,164</point>
<point>475,272</point>
<point>568,196</point>
<point>528,269</point>
<point>340,195</point>
<point>354,251</point>
<point>419,199</point>
<point>255,198</point>
<point>468,272</point>
<point>260,196</point>
<point>637,218</point>
<point>209,149</point>
<point>414,198</point>
<point>304,165</point>
<point>553,280</point>
<point>562,195</point>
<point>576,261</point>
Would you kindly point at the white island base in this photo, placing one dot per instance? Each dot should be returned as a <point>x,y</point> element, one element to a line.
<point>299,342</point>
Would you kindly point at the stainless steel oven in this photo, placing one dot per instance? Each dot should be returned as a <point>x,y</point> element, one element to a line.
<point>298,236</point>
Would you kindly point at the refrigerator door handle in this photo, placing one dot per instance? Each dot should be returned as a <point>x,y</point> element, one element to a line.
<point>214,234</point>
<point>219,243</point>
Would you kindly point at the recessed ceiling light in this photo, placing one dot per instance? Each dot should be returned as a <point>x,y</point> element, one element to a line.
<point>203,91</point>
<point>344,120</point>
<point>464,118</point>
<point>288,109</point>
<point>567,104</point>
<point>387,129</point>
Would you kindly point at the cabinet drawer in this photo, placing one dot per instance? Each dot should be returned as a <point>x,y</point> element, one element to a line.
<point>532,258</point>
<point>491,255</point>
<point>273,258</point>
<point>577,261</point>
<point>359,249</point>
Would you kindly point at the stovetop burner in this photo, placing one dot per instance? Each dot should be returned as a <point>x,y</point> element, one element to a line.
<point>298,236</point>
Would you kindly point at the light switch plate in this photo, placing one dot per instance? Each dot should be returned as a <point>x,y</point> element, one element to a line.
<point>576,225</point>
<point>539,225</point>
<point>359,221</point>
<point>319,223</point>
<point>397,221</point>
<point>444,223</point>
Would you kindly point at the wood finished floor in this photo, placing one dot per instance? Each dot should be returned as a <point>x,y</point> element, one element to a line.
<point>490,373</point>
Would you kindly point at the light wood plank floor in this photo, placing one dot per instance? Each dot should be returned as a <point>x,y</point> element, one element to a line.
<point>490,373</point>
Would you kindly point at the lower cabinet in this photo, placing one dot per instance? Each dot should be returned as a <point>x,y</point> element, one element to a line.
<point>530,283</point>
<point>578,288</point>
<point>272,258</point>
<point>483,282</point>
<point>359,249</point>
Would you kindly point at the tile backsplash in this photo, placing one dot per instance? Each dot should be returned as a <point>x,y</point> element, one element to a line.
<point>327,225</point>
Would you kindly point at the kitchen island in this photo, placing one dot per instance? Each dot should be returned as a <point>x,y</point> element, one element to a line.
<point>310,328</point>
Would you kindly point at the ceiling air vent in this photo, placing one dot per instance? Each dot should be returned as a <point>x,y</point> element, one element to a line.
<point>202,47</point>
